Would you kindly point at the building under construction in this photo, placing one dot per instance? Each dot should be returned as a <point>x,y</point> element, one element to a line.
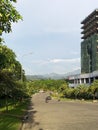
<point>89,45</point>
<point>89,51</point>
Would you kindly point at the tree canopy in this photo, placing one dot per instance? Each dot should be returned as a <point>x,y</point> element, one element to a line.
<point>7,57</point>
<point>8,15</point>
<point>11,85</point>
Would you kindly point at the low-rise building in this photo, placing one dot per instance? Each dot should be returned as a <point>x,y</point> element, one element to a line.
<point>79,79</point>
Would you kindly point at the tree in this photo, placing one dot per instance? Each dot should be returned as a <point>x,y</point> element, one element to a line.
<point>8,15</point>
<point>10,74</point>
<point>81,92</point>
<point>11,89</point>
<point>7,85</point>
<point>94,89</point>
<point>7,58</point>
<point>8,62</point>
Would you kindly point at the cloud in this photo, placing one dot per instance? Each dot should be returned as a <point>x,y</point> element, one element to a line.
<point>65,60</point>
<point>56,65</point>
<point>56,61</point>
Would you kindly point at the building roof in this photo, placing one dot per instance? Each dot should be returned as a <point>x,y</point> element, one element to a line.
<point>86,75</point>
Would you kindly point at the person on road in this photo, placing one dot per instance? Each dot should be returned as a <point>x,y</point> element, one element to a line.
<point>47,99</point>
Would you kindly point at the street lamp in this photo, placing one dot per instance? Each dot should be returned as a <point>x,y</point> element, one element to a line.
<point>21,71</point>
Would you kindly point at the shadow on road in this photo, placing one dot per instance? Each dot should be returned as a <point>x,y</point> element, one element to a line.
<point>28,122</point>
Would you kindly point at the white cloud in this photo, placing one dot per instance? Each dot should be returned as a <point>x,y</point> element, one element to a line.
<point>56,61</point>
<point>65,60</point>
<point>57,65</point>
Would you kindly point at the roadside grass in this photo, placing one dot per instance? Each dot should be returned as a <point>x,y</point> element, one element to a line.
<point>12,119</point>
<point>9,123</point>
<point>71,99</point>
<point>81,100</point>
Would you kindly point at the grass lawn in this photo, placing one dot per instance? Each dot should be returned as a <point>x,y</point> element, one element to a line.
<point>12,119</point>
<point>9,123</point>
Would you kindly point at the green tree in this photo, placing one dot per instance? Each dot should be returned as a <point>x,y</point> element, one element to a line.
<point>93,89</point>
<point>11,89</point>
<point>7,58</point>
<point>8,15</point>
<point>17,70</point>
<point>10,72</point>
<point>8,61</point>
<point>7,85</point>
<point>81,92</point>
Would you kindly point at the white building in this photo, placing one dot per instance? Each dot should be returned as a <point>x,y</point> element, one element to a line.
<point>80,79</point>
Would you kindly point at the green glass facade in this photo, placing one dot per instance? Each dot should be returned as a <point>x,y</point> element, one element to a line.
<point>89,45</point>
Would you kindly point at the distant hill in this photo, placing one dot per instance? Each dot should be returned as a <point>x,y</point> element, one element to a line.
<point>52,75</point>
<point>34,77</point>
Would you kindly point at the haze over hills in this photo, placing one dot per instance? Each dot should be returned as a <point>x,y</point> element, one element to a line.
<point>52,75</point>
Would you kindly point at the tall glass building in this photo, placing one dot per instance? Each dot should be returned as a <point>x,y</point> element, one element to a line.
<point>89,45</point>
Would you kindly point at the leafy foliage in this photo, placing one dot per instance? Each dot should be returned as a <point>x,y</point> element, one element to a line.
<point>8,15</point>
<point>7,57</point>
<point>93,89</point>
<point>60,88</point>
<point>10,75</point>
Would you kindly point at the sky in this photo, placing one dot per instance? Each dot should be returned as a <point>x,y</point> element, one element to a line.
<point>48,40</point>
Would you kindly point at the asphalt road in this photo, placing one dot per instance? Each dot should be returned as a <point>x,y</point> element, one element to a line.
<point>63,115</point>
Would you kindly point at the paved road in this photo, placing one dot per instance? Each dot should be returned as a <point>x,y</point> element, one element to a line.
<point>63,115</point>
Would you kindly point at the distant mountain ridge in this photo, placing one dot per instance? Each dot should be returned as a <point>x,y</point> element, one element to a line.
<point>52,75</point>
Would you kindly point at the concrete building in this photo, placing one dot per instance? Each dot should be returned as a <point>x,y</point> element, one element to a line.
<point>89,45</point>
<point>79,79</point>
<point>89,51</point>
